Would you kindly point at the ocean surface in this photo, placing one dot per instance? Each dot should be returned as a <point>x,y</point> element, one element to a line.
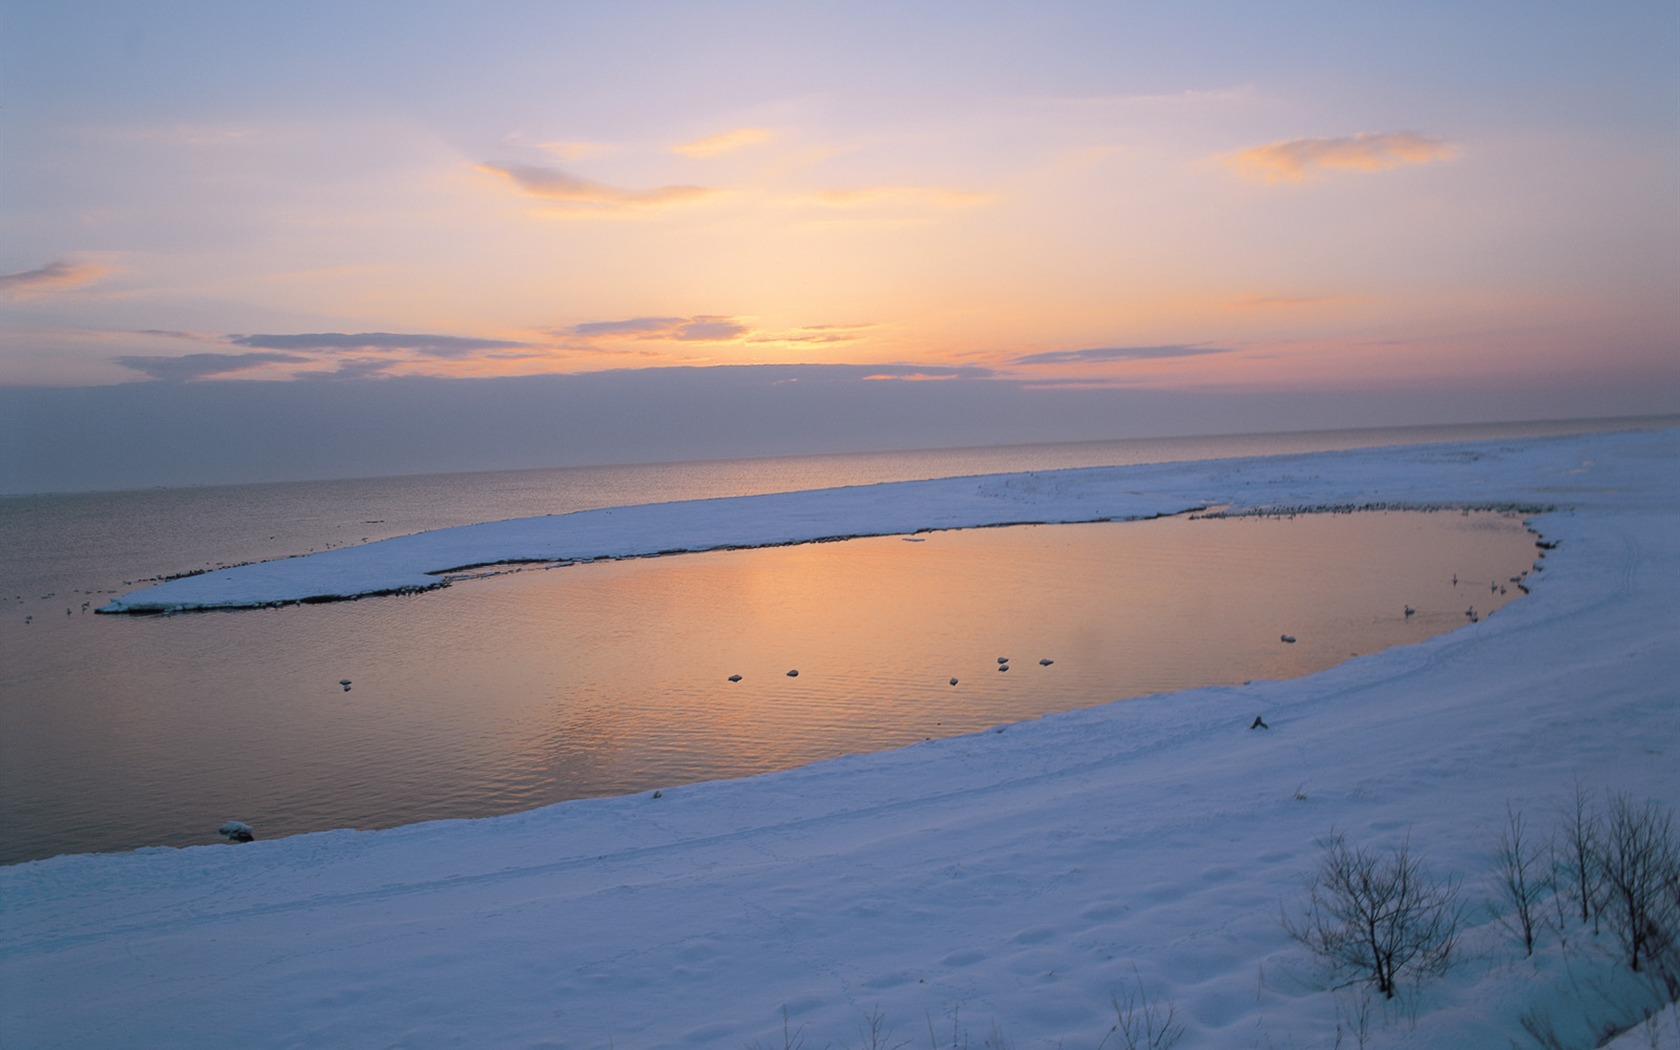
<point>501,694</point>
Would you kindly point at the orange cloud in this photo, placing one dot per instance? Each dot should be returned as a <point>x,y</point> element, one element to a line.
<point>1297,159</point>
<point>49,278</point>
<point>727,142</point>
<point>555,185</point>
<point>572,150</point>
<point>816,334</point>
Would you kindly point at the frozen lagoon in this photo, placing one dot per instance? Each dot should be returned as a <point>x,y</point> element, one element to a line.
<point>1021,877</point>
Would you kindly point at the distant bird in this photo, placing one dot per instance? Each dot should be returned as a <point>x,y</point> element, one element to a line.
<point>793,674</point>
<point>1259,723</point>
<point>659,794</point>
<point>734,678</point>
<point>953,681</point>
<point>1455,579</point>
<point>1045,663</point>
<point>1410,610</point>
<point>236,831</point>
<point>345,682</point>
<point>1003,667</point>
<point>1003,659</point>
<point>1288,638</point>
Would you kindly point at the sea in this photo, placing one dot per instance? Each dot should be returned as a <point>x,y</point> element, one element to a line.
<point>498,695</point>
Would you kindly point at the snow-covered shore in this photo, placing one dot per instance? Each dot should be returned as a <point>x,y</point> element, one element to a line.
<point>1019,878</point>
<point>1422,475</point>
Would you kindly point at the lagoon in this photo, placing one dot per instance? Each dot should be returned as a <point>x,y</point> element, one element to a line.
<point>527,687</point>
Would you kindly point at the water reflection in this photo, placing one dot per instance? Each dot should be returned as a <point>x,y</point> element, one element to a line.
<point>505,693</point>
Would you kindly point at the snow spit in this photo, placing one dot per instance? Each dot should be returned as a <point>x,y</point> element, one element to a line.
<point>1413,476</point>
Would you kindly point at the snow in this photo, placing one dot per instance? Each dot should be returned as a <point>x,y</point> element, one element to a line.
<point>1420,475</point>
<point>1014,881</point>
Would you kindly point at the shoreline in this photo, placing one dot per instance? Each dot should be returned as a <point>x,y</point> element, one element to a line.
<point>1020,876</point>
<point>1458,476</point>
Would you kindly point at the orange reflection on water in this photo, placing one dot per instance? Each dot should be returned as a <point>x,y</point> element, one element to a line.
<point>877,627</point>
<point>501,694</point>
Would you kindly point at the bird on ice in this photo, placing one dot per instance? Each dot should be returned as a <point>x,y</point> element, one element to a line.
<point>236,831</point>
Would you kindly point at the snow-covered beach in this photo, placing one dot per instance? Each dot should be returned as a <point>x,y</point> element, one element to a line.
<point>1437,475</point>
<point>1014,881</point>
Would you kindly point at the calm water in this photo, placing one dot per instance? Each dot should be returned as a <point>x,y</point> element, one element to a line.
<point>501,694</point>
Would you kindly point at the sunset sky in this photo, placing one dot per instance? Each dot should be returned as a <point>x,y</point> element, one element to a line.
<point>1394,203</point>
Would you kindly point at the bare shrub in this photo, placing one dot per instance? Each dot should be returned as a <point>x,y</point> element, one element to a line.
<point>1521,882</point>
<point>1142,1021</point>
<point>1637,856</point>
<point>1378,915</point>
<point>1576,864</point>
<point>792,1038</point>
<point>1356,1019</point>
<point>875,1033</point>
<point>1540,1027</point>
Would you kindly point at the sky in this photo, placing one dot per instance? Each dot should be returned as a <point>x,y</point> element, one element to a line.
<point>965,223</point>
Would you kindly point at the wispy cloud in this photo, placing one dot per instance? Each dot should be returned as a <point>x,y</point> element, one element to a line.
<point>1297,159</point>
<point>701,328</point>
<point>573,150</point>
<point>708,329</point>
<point>552,184</point>
<point>335,355</point>
<point>816,334</point>
<point>926,373</point>
<point>55,276</point>
<point>632,326</point>
<point>176,333</point>
<point>1103,354</point>
<point>187,367</point>
<point>353,368</point>
<point>726,142</point>
<point>445,346</point>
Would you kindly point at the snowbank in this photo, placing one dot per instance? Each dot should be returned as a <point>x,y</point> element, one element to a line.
<point>1020,878</point>
<point>1429,474</point>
